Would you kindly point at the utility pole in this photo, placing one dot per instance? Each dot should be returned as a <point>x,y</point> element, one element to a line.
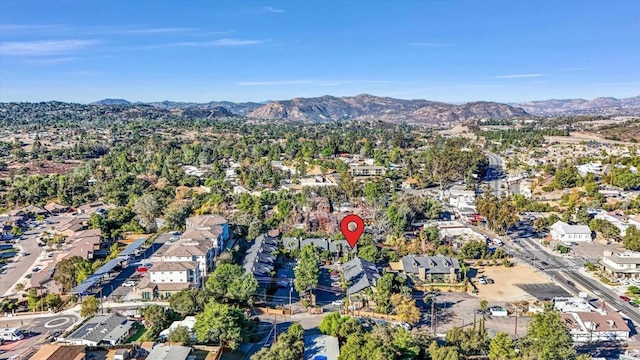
<point>433,316</point>
<point>515,332</point>
<point>275,330</point>
<point>290,292</point>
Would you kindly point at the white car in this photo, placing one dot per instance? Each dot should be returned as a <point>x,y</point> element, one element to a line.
<point>337,302</point>
<point>597,292</point>
<point>129,284</point>
<point>336,284</point>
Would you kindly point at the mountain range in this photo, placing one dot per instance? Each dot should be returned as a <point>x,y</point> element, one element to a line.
<point>374,108</point>
<point>600,106</point>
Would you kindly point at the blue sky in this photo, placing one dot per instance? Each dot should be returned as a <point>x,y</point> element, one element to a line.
<point>200,51</point>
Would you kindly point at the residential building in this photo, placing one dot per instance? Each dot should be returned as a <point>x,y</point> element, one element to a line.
<point>95,208</point>
<point>55,208</point>
<point>368,170</point>
<point>335,247</point>
<point>59,352</point>
<point>618,220</point>
<point>359,275</point>
<point>188,250</point>
<point>36,210</point>
<point>621,265</point>
<point>259,259</point>
<point>147,290</point>
<point>43,279</point>
<point>321,347</point>
<point>176,272</point>
<point>461,198</point>
<point>430,269</point>
<point>188,323</point>
<point>590,168</point>
<point>70,226</point>
<point>212,236</point>
<point>594,326</point>
<point>563,232</point>
<point>88,244</point>
<point>210,222</point>
<point>171,352</point>
<point>104,329</point>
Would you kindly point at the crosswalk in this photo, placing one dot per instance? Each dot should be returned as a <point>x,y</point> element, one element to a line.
<point>562,269</point>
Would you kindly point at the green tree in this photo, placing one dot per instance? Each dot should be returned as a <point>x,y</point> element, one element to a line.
<point>189,302</point>
<point>53,301</point>
<point>444,352</point>
<point>229,283</point>
<point>384,290</point>
<point>290,346</point>
<point>180,334</point>
<point>90,306</point>
<point>631,239</point>
<point>501,347</point>
<point>307,273</point>
<point>147,209</point>
<point>547,338</point>
<point>158,319</point>
<point>369,253</point>
<point>224,323</point>
<point>33,301</point>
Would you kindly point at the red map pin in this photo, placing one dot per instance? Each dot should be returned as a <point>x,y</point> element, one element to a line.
<point>351,233</point>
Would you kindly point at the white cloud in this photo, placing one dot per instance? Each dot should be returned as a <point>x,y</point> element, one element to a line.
<point>142,31</point>
<point>43,47</point>
<point>219,42</point>
<point>273,10</point>
<point>433,45</point>
<point>518,76</point>
<point>22,28</point>
<point>51,61</point>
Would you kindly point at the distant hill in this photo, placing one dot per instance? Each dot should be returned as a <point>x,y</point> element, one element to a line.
<point>111,102</point>
<point>597,106</point>
<point>369,107</point>
<point>235,108</point>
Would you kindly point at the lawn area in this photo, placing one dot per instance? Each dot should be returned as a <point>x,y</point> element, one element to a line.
<point>140,330</point>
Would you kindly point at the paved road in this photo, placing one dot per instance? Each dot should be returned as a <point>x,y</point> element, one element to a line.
<point>495,173</point>
<point>40,328</point>
<point>21,264</point>
<point>567,269</point>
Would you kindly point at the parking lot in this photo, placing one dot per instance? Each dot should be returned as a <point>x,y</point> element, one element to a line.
<point>544,292</point>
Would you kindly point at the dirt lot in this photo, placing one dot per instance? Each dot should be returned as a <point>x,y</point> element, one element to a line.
<point>506,280</point>
<point>458,309</point>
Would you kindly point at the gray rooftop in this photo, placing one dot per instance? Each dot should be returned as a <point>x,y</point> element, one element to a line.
<point>438,264</point>
<point>258,259</point>
<point>361,274</point>
<point>169,352</point>
<point>101,327</point>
